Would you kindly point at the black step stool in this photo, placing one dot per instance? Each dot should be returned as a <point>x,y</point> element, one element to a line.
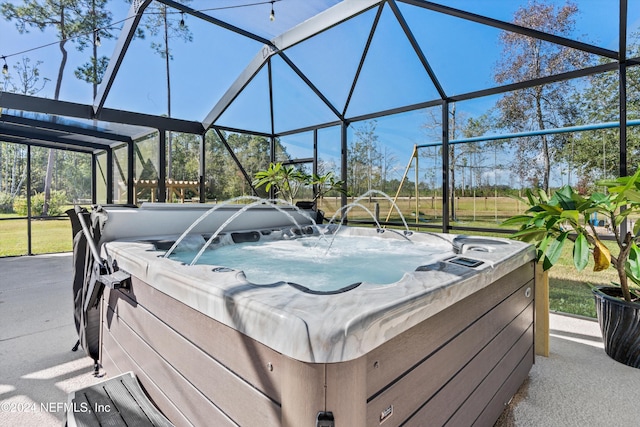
<point>118,401</point>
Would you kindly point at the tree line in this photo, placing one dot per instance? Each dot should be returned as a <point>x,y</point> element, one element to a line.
<point>371,164</point>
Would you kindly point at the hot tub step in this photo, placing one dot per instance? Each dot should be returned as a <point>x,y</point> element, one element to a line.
<point>118,401</point>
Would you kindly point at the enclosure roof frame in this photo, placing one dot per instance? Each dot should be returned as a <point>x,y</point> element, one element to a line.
<point>326,19</point>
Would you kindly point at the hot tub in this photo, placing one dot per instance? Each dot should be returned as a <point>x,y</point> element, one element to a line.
<point>447,341</point>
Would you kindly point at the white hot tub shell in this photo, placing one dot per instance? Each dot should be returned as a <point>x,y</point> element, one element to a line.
<point>449,343</point>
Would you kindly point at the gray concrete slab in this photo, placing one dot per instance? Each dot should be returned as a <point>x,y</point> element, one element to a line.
<point>577,385</point>
<point>37,331</point>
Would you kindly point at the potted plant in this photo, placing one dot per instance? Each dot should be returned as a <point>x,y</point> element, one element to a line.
<point>288,180</point>
<point>551,222</point>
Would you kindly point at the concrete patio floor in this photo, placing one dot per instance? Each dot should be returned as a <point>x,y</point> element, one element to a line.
<point>578,385</point>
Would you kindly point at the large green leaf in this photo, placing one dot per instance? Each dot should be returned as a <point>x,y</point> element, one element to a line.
<point>564,198</point>
<point>572,215</point>
<point>542,248</point>
<point>632,266</point>
<point>540,221</point>
<point>554,210</point>
<point>633,195</point>
<point>551,223</point>
<point>581,252</point>
<point>554,250</point>
<point>517,220</point>
<point>629,182</point>
<point>529,235</point>
<point>533,200</point>
<point>543,196</point>
<point>598,198</point>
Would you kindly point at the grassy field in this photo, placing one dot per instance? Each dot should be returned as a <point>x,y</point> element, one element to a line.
<point>48,236</point>
<point>566,293</point>
<point>488,211</point>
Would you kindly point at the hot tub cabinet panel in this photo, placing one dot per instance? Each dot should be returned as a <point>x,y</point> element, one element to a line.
<point>459,366</point>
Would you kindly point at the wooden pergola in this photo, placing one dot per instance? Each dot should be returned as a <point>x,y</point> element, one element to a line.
<point>176,188</point>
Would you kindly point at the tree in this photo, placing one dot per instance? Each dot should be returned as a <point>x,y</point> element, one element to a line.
<point>526,58</point>
<point>597,152</point>
<point>29,79</point>
<point>186,157</point>
<point>364,159</point>
<point>100,20</point>
<point>224,178</point>
<point>69,18</point>
<point>160,21</point>
<point>287,180</point>
<point>475,155</point>
<point>457,124</point>
<point>388,165</point>
<point>25,80</point>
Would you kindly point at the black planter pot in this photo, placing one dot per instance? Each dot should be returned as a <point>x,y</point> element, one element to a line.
<point>620,325</point>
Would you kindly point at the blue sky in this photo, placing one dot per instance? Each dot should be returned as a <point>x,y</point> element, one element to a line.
<point>462,54</point>
<point>197,64</point>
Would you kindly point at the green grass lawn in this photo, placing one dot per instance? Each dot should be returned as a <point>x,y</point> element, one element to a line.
<point>48,236</point>
<point>571,296</point>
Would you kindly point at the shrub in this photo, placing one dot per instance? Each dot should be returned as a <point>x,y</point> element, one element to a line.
<point>20,205</point>
<point>58,200</point>
<point>6,203</point>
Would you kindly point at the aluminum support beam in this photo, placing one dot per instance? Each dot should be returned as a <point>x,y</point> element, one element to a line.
<point>131,166</point>
<point>343,167</point>
<point>210,19</point>
<point>568,129</point>
<point>329,18</point>
<point>162,166</point>
<point>589,71</point>
<point>507,26</point>
<point>94,179</point>
<point>623,101</point>
<point>29,136</point>
<point>109,176</point>
<point>417,49</point>
<point>46,144</point>
<point>202,169</point>
<point>29,251</point>
<point>14,101</point>
<point>237,161</point>
<point>68,129</point>
<point>321,22</point>
<point>272,119</point>
<point>314,170</point>
<point>308,82</point>
<point>124,40</point>
<point>445,167</point>
<point>367,45</point>
<point>623,88</point>
<point>237,86</point>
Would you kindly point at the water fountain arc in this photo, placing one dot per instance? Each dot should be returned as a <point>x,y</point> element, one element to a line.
<point>241,211</point>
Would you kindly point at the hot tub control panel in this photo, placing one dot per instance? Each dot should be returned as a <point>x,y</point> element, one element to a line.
<point>466,262</point>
